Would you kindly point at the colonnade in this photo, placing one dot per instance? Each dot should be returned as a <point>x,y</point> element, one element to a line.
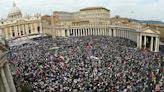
<point>149,41</point>
<point>143,40</point>
<point>89,31</point>
<point>104,31</point>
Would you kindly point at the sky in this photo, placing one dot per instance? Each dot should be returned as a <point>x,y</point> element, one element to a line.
<point>137,9</point>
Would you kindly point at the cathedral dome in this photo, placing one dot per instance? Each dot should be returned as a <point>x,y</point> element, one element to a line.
<point>14,12</point>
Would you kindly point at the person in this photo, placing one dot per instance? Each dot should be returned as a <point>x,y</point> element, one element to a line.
<point>108,64</point>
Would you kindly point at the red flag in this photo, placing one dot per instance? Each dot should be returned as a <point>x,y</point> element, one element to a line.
<point>17,70</point>
<point>151,77</point>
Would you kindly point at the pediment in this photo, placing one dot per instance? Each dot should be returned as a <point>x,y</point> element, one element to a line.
<point>150,31</point>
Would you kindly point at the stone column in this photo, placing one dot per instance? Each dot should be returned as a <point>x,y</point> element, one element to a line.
<point>145,41</point>
<point>102,31</point>
<point>151,44</point>
<point>24,28</point>
<point>15,31</point>
<point>138,40</point>
<point>124,33</point>
<point>140,45</point>
<point>79,32</point>
<point>11,33</point>
<point>9,77</point>
<point>156,44</point>
<point>75,32</point>
<point>116,32</point>
<point>84,32</point>
<point>132,36</point>
<point>2,88</point>
<point>107,32</point>
<point>94,31</point>
<point>119,31</point>
<point>97,31</point>
<point>7,89</point>
<point>128,34</point>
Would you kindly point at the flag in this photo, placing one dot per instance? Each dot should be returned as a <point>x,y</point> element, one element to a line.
<point>17,70</point>
<point>151,76</point>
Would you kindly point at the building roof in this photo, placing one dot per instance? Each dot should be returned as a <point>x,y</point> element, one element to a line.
<point>93,8</point>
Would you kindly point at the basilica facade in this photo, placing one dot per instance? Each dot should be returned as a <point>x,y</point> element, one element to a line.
<point>16,25</point>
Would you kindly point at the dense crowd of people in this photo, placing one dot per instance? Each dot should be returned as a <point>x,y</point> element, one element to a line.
<point>86,64</point>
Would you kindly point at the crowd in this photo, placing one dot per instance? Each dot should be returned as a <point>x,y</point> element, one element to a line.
<point>86,64</point>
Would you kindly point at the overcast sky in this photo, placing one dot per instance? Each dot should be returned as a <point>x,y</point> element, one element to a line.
<point>138,9</point>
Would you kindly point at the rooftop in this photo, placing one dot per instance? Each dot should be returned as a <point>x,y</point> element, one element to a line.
<point>93,8</point>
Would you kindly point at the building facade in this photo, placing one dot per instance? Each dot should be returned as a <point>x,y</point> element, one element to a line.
<point>16,25</point>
